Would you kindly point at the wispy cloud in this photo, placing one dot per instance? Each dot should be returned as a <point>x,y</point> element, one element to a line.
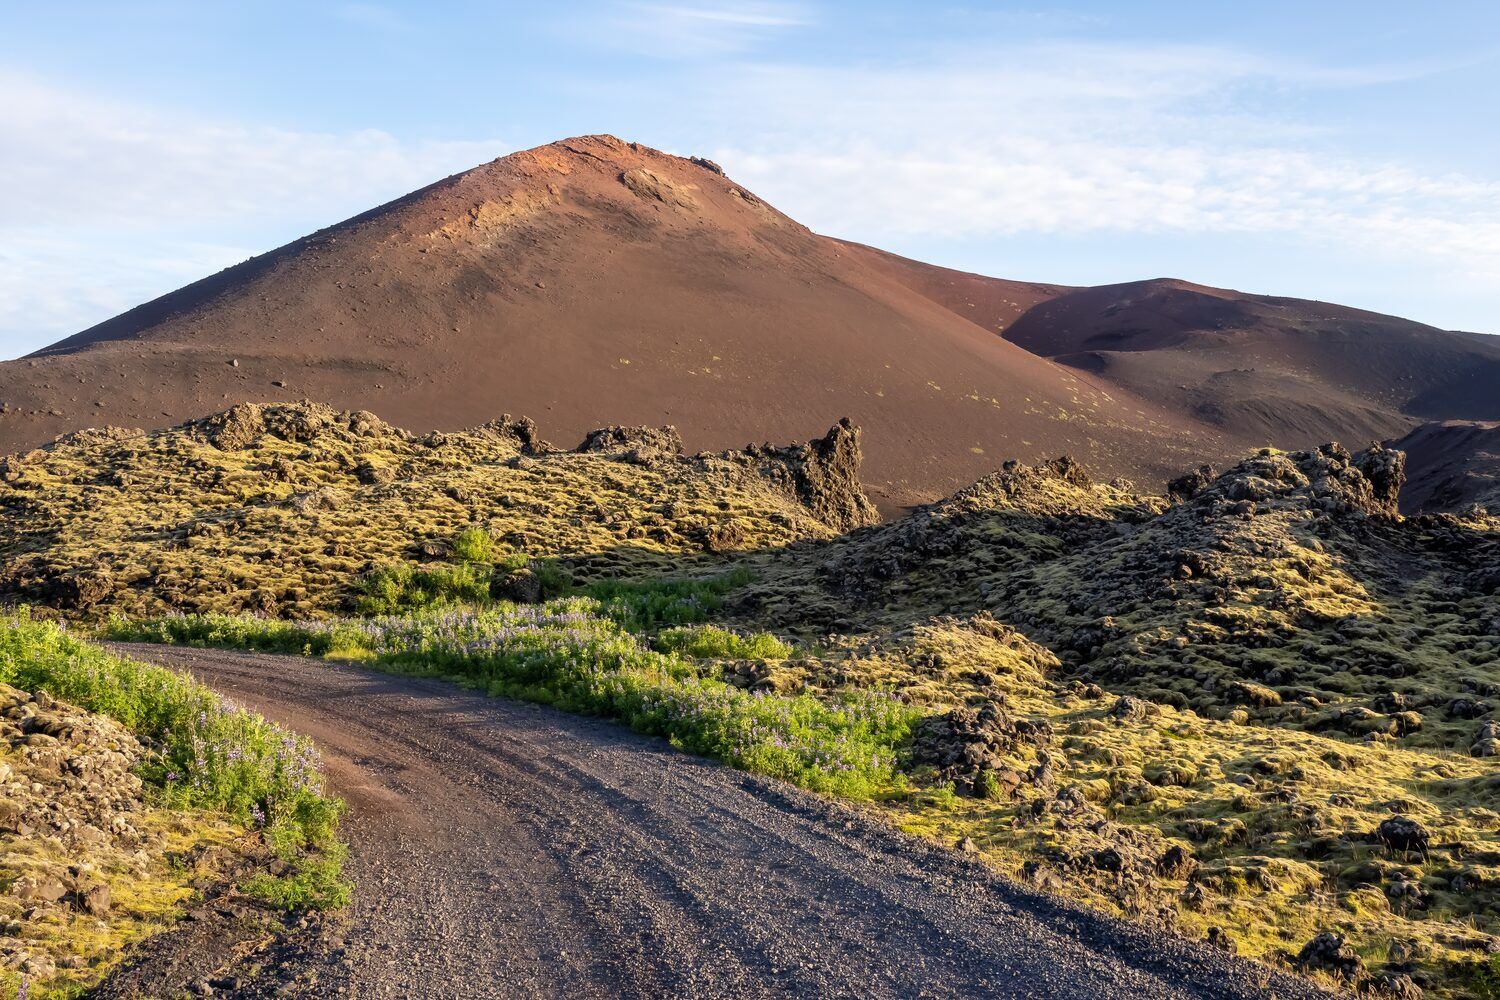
<point>107,202</point>
<point>372,15</point>
<point>120,163</point>
<point>692,30</point>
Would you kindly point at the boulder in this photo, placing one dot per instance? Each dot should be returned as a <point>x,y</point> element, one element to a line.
<point>370,474</point>
<point>1395,986</point>
<point>1404,835</point>
<point>39,889</point>
<point>968,746</point>
<point>1327,952</point>
<point>1487,740</point>
<point>94,899</point>
<point>520,430</point>
<point>1384,469</point>
<point>641,443</point>
<point>1467,708</point>
<point>822,475</point>
<point>1131,709</point>
<point>1189,485</point>
<point>236,428</point>
<point>521,586</point>
<point>77,589</point>
<point>1176,862</point>
<point>298,422</point>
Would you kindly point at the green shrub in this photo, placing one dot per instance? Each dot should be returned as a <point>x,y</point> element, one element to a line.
<point>315,882</point>
<point>1484,979</point>
<point>398,587</point>
<point>647,606</point>
<point>473,545</point>
<point>711,642</point>
<point>556,581</point>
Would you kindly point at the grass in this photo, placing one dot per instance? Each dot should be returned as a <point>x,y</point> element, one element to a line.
<point>473,545</point>
<point>648,605</point>
<point>1305,671</point>
<point>574,654</point>
<point>397,587</point>
<point>707,642</point>
<point>470,581</point>
<point>1275,818</point>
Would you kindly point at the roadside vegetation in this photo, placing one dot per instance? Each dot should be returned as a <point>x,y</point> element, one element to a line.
<point>575,653</point>
<point>207,775</point>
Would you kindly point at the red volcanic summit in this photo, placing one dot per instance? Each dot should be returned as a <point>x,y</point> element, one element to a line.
<point>594,281</point>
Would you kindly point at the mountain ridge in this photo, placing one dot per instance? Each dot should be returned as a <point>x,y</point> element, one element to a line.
<point>593,280</point>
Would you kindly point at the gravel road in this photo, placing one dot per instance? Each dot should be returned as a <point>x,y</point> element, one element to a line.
<point>507,850</point>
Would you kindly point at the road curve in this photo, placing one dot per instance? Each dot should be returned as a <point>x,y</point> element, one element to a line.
<point>508,850</point>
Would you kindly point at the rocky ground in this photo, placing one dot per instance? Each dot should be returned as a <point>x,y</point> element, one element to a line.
<point>1262,710</point>
<point>276,509</point>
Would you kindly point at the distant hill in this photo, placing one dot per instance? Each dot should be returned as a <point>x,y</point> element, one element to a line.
<point>1453,464</point>
<point>594,280</point>
<point>1275,368</point>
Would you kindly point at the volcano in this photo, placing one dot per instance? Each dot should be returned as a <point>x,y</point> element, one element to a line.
<point>595,281</point>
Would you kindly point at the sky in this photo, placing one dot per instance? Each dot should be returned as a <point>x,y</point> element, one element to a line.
<point>1348,152</point>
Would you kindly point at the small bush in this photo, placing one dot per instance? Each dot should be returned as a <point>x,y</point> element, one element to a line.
<point>1484,978</point>
<point>398,587</point>
<point>711,642</point>
<point>473,545</point>
<point>315,883</point>
<point>556,581</point>
<point>648,606</point>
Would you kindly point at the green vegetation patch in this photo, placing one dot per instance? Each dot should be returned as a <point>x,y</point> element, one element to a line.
<point>276,509</point>
<point>212,772</point>
<point>573,653</point>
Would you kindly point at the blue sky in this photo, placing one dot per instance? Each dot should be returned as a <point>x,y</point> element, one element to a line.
<point>1340,151</point>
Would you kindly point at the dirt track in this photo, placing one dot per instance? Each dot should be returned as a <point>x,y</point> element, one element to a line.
<point>506,850</point>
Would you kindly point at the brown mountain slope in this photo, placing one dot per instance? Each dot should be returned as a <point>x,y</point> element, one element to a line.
<point>594,281</point>
<point>993,303</point>
<point>1285,370</point>
<point>1451,465</point>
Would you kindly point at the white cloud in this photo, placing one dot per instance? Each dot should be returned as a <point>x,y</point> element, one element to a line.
<point>55,282</point>
<point>108,203</point>
<point>1072,139</point>
<point>691,31</point>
